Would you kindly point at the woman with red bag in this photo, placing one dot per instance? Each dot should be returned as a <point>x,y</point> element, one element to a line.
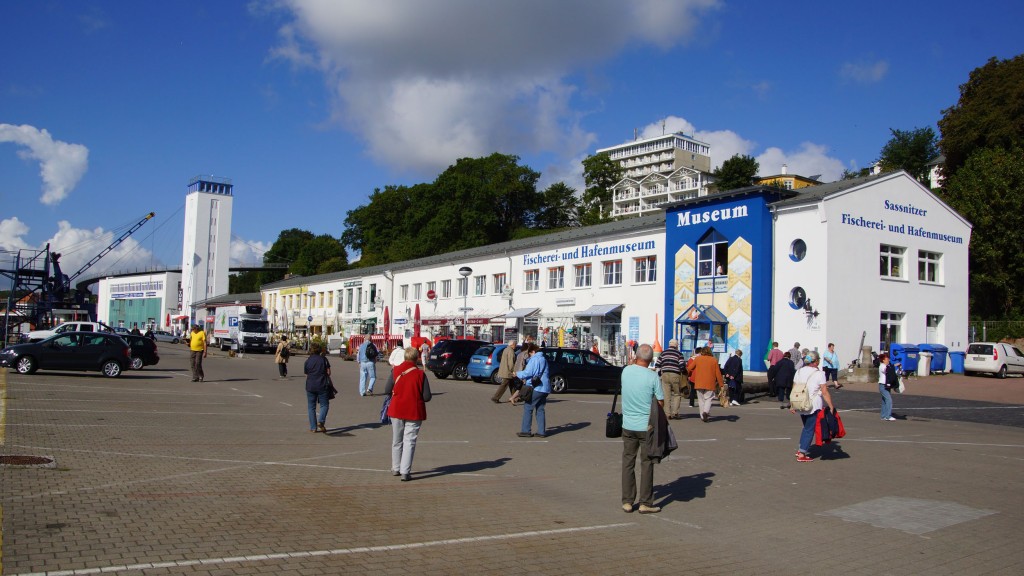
<point>409,392</point>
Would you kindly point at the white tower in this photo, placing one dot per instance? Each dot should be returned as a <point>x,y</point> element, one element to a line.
<point>207,241</point>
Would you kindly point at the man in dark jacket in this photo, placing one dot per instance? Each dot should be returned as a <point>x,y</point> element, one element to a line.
<point>733,374</point>
<point>785,370</point>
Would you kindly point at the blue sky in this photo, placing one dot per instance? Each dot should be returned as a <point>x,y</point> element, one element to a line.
<point>107,108</point>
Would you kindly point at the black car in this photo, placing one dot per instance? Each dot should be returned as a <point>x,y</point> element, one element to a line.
<point>143,351</point>
<point>580,369</point>
<point>452,357</point>
<point>98,351</point>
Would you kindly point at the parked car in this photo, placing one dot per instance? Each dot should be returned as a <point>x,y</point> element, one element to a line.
<point>164,336</point>
<point>73,326</point>
<point>994,357</point>
<point>483,364</point>
<point>143,351</point>
<point>451,357</point>
<point>569,368</point>
<point>103,352</point>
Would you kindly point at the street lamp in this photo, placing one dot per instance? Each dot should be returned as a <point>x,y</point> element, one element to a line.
<point>465,271</point>
<point>309,318</point>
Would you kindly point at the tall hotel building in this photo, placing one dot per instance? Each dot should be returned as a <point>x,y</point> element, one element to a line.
<point>657,171</point>
<point>207,240</point>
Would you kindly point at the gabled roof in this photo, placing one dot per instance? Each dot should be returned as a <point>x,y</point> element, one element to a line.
<point>818,192</point>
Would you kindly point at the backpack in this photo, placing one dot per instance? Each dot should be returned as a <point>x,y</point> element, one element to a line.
<point>799,399</point>
<point>371,352</point>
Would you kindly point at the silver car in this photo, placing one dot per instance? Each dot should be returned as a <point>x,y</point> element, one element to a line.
<point>163,336</point>
<point>994,357</point>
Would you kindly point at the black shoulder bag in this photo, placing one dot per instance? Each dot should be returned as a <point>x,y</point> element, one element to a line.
<point>613,424</point>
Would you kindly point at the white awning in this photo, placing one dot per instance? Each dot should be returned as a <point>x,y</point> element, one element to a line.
<point>599,310</point>
<point>521,313</point>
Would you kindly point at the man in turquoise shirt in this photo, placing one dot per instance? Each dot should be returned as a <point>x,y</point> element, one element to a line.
<point>640,385</point>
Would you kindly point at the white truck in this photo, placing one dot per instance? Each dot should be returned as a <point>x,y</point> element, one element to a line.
<point>244,327</point>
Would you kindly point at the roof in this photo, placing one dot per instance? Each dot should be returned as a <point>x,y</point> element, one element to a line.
<point>814,193</point>
<point>734,193</point>
<point>572,235</point>
<point>230,299</point>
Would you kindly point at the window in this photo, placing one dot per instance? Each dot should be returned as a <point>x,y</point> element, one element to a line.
<point>797,298</point>
<point>321,305</point>
<point>446,288</point>
<point>890,329</point>
<point>646,269</point>
<point>359,300</point>
<point>463,287</point>
<point>479,285</point>
<point>583,275</point>
<point>556,278</point>
<point>928,266</point>
<point>499,283</point>
<point>417,291</point>
<point>891,261</point>
<point>797,250</point>
<point>330,299</point>
<point>373,298</point>
<point>348,302</point>
<point>613,273</point>
<point>532,280</point>
<point>712,256</point>
<point>403,292</point>
<point>432,287</point>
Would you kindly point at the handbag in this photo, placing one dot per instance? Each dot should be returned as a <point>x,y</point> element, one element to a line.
<point>526,392</point>
<point>332,392</point>
<point>902,387</point>
<point>613,423</point>
<point>384,418</point>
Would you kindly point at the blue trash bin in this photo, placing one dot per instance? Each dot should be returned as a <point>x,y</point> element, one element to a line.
<point>938,356</point>
<point>956,361</point>
<point>906,355</point>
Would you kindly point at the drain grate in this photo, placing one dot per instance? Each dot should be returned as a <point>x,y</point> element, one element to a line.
<point>27,461</point>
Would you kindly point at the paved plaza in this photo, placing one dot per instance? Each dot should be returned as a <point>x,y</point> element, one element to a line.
<point>154,474</point>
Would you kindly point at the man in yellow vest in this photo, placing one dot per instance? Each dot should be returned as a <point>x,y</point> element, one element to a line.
<point>197,344</point>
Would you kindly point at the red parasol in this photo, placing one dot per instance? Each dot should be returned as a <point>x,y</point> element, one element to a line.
<point>168,323</point>
<point>416,321</point>
<point>387,322</point>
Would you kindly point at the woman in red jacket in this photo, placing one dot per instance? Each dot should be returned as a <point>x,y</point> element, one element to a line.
<point>409,392</point>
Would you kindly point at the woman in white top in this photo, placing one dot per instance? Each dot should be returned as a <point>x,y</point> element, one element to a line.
<point>817,390</point>
<point>887,379</point>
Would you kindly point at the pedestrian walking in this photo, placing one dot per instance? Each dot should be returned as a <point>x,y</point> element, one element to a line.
<point>887,380</point>
<point>817,391</point>
<point>506,371</point>
<point>535,373</point>
<point>670,367</point>
<point>831,366</point>
<point>410,391</point>
<point>707,377</point>
<point>197,347</point>
<point>733,373</point>
<point>318,377</point>
<point>281,357</point>
<point>784,373</point>
<point>366,356</point>
<point>796,355</point>
<point>774,355</point>
<point>640,386</point>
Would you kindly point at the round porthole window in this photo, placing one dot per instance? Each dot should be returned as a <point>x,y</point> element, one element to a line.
<point>797,250</point>
<point>797,298</point>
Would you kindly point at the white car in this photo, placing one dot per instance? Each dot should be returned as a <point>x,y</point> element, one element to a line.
<point>73,326</point>
<point>994,357</point>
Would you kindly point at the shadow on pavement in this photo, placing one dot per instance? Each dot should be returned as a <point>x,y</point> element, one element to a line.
<point>570,427</point>
<point>832,451</point>
<point>462,468</point>
<point>344,431</point>
<point>682,489</point>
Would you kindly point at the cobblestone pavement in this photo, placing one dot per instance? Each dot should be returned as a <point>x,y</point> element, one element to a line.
<point>155,474</point>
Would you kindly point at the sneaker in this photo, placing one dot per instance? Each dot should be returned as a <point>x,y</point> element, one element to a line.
<point>396,473</point>
<point>406,477</point>
<point>644,509</point>
<point>804,458</point>
<point>889,419</point>
<point>627,508</point>
<point>524,434</point>
<point>735,403</point>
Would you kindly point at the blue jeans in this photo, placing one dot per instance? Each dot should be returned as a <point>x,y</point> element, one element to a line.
<point>367,377</point>
<point>807,435</point>
<point>886,402</point>
<point>311,399</point>
<point>539,400</point>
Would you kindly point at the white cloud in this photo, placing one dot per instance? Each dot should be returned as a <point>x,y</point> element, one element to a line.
<point>77,246</point>
<point>864,72</point>
<point>247,252</point>
<point>809,159</point>
<point>11,232</point>
<point>61,164</point>
<point>425,83</point>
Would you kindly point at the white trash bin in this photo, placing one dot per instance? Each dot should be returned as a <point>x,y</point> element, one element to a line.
<point>924,364</point>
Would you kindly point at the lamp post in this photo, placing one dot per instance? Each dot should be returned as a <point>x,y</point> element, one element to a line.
<point>465,271</point>
<point>309,318</point>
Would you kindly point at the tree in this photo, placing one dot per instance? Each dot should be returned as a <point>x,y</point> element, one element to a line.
<point>558,207</point>
<point>909,150</point>
<point>736,172</point>
<point>989,113</point>
<point>986,191</point>
<point>320,255</point>
<point>851,174</point>
<point>600,173</point>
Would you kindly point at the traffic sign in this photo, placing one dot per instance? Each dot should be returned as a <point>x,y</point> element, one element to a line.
<point>465,309</point>
<point>309,318</point>
<point>431,294</point>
